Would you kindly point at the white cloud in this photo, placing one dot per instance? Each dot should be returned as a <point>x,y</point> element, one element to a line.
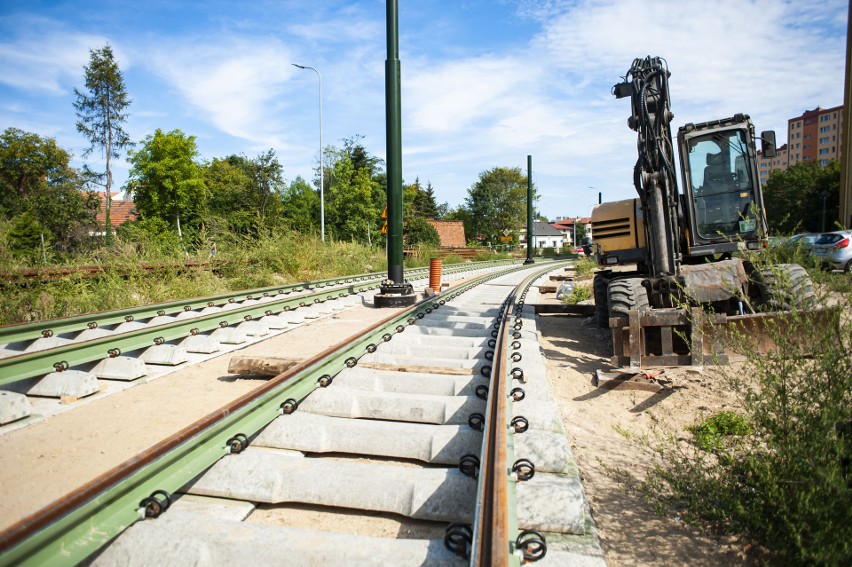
<point>229,83</point>
<point>42,55</point>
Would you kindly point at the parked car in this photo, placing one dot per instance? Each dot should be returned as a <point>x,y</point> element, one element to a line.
<point>834,249</point>
<point>804,240</point>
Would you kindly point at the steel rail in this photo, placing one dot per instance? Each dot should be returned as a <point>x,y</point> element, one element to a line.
<point>75,323</point>
<point>39,363</point>
<point>495,521</point>
<point>76,526</point>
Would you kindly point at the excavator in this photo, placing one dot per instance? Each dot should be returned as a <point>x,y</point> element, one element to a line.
<point>670,261</point>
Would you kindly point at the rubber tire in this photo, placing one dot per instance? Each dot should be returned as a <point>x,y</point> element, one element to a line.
<point>599,285</point>
<point>785,287</point>
<point>624,295</point>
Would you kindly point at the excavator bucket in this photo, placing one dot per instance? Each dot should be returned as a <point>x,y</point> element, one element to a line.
<point>693,337</point>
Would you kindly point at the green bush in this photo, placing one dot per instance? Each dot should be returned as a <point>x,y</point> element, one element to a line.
<point>786,483</point>
<point>420,232</point>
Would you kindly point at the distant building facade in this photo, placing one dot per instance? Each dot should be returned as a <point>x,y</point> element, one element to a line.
<point>815,136</point>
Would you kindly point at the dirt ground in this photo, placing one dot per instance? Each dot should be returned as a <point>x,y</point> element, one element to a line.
<point>604,427</point>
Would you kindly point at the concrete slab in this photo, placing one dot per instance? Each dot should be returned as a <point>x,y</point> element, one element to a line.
<point>268,476</point>
<point>345,402</point>
<point>275,322</point>
<point>551,503</point>
<point>120,368</point>
<point>220,508</point>
<point>229,336</point>
<point>44,343</point>
<point>188,540</point>
<point>393,361</point>
<point>311,433</point>
<point>67,384</point>
<point>161,320</point>
<point>128,326</point>
<point>13,406</point>
<point>362,378</point>
<point>187,315</point>
<point>165,354</point>
<point>90,334</point>
<point>254,328</point>
<point>201,344</point>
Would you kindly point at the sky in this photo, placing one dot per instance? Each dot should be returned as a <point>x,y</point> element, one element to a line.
<point>484,83</point>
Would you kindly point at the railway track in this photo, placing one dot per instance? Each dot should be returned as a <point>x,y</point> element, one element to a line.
<point>437,419</point>
<point>71,358</point>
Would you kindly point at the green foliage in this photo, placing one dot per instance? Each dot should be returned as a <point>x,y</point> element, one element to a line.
<point>585,265</point>
<point>36,178</point>
<point>25,238</point>
<point>578,294</point>
<point>497,201</point>
<point>794,198</point>
<point>354,199</point>
<point>786,484</point>
<point>711,433</point>
<point>419,231</point>
<point>300,208</point>
<point>165,180</point>
<point>100,114</point>
<point>244,195</point>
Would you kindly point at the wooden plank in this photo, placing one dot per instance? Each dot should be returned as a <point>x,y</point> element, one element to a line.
<point>260,365</point>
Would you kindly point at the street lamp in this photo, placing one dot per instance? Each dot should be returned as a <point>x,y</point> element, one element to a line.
<point>322,189</point>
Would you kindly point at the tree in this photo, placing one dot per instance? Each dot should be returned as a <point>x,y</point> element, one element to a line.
<point>100,116</point>
<point>246,193</point>
<point>354,197</point>
<point>795,199</point>
<point>419,231</point>
<point>497,201</point>
<point>36,179</point>
<point>423,203</point>
<point>300,206</point>
<point>228,186</point>
<point>165,180</point>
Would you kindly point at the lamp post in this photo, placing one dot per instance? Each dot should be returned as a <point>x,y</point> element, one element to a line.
<point>322,188</point>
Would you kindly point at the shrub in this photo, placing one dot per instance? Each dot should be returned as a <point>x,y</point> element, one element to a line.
<point>786,484</point>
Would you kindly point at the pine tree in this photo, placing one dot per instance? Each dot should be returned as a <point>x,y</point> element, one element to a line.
<point>101,114</point>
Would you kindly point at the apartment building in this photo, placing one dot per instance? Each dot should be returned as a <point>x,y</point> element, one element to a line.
<point>780,162</point>
<point>813,136</point>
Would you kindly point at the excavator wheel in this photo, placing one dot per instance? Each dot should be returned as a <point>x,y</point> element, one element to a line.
<point>599,285</point>
<point>624,295</point>
<point>785,287</point>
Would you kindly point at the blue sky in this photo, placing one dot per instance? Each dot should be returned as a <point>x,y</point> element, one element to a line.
<point>484,83</point>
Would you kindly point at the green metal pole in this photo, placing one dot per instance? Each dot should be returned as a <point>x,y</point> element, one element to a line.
<point>393,124</point>
<point>395,292</point>
<point>530,235</point>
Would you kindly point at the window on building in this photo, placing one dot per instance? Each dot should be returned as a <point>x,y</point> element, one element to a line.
<point>823,140</point>
<point>823,162</point>
<point>807,136</point>
<point>823,152</point>
<point>824,129</point>
<point>807,158</point>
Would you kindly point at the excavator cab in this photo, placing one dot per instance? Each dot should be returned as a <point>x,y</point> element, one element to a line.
<point>723,203</point>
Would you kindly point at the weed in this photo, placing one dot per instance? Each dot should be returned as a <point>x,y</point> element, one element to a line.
<point>711,434</point>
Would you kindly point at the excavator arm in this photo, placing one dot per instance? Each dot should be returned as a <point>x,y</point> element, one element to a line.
<point>646,83</point>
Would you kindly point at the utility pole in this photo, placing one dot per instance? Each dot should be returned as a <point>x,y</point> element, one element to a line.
<point>394,291</point>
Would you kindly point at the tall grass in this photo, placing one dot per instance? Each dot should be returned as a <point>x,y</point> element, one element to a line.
<point>239,264</point>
